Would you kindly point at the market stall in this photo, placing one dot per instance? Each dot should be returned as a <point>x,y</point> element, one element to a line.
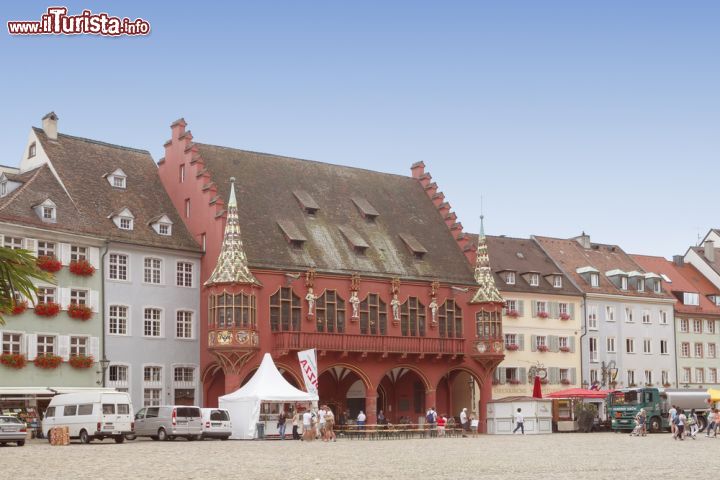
<point>537,413</point>
<point>564,406</point>
<point>260,400</point>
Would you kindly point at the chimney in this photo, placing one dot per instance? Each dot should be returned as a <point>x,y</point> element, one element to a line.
<point>49,123</point>
<point>679,260</point>
<point>418,169</point>
<point>584,240</point>
<point>709,250</point>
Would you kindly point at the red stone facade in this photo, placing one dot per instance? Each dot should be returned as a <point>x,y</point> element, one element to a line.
<point>400,373</point>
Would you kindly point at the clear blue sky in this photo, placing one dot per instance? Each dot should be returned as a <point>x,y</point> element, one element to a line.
<point>565,116</point>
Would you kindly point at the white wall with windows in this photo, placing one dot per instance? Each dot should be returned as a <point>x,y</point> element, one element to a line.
<point>152,302</point>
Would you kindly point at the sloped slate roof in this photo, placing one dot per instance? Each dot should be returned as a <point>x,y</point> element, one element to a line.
<point>81,164</point>
<point>503,252</point>
<point>265,184</point>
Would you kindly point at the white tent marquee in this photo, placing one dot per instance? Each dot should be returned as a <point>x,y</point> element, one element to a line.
<point>266,385</point>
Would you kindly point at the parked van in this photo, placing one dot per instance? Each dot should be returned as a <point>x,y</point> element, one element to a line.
<point>91,415</point>
<point>168,422</point>
<point>216,423</point>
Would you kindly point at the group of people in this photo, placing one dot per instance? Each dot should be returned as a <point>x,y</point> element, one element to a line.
<point>315,425</point>
<point>438,423</point>
<point>685,425</point>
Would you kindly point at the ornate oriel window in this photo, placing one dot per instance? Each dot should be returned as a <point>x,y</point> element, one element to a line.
<point>285,311</point>
<point>412,318</point>
<point>373,315</point>
<point>450,319</point>
<point>232,311</point>
<point>488,325</point>
<point>330,312</point>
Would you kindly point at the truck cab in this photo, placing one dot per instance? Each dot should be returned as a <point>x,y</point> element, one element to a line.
<point>625,404</point>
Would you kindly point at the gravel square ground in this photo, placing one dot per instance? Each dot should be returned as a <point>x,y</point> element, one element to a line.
<point>557,456</point>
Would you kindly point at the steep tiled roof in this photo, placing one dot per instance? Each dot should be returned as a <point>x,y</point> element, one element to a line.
<point>81,164</point>
<point>523,255</point>
<point>715,265</point>
<point>265,185</point>
<point>570,255</point>
<point>685,278</point>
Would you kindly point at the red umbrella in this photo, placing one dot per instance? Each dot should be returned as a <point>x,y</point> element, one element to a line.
<point>537,389</point>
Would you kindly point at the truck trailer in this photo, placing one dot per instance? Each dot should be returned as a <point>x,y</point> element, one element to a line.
<point>625,404</point>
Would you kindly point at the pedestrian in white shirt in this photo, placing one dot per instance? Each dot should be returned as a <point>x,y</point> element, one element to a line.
<point>361,420</point>
<point>464,421</point>
<point>307,426</point>
<point>519,422</point>
<point>321,422</point>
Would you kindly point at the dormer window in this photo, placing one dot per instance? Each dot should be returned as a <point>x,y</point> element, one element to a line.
<point>414,245</point>
<point>126,223</point>
<point>358,243</point>
<point>623,283</point>
<point>3,188</point>
<point>366,210</point>
<point>557,281</point>
<point>691,298</point>
<point>641,285</point>
<point>124,219</point>
<point>658,286</point>
<point>306,202</point>
<point>715,299</point>
<point>162,225</point>
<point>293,235</point>
<point>510,278</point>
<point>594,280</point>
<point>534,279</point>
<point>46,211</point>
<point>117,179</point>
<point>32,150</point>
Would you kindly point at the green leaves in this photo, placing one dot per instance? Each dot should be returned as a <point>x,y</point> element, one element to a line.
<point>18,268</point>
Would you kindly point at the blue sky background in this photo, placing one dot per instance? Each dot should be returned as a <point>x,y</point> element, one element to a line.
<point>565,116</point>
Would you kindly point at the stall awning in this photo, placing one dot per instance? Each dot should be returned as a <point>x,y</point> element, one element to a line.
<point>578,393</point>
<point>714,395</point>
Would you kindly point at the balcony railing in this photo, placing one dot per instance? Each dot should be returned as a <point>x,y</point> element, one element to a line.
<point>287,341</point>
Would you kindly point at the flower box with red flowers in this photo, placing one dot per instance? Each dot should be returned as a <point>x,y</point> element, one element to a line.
<point>564,316</point>
<point>514,382</point>
<point>13,360</point>
<point>565,381</point>
<point>47,361</point>
<point>81,361</point>
<point>19,307</point>
<point>513,313</point>
<point>79,312</point>
<point>49,264</point>
<point>543,314</point>
<point>543,348</point>
<point>82,268</point>
<point>512,347</point>
<point>565,349</point>
<point>667,385</point>
<point>47,309</point>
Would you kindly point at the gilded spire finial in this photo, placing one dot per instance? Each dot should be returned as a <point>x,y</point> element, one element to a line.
<point>487,291</point>
<point>232,265</point>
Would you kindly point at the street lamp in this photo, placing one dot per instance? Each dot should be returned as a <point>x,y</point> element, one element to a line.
<point>609,373</point>
<point>104,364</point>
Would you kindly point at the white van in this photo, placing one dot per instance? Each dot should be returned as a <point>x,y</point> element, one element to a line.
<point>91,415</point>
<point>216,423</point>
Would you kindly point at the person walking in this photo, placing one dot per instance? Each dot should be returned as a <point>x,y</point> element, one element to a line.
<point>441,422</point>
<point>692,422</point>
<point>431,420</point>
<point>672,413</point>
<point>321,422</point>
<point>296,420</point>
<point>381,418</point>
<point>519,422</point>
<point>680,420</point>
<point>329,425</point>
<point>307,426</point>
<point>464,423</point>
<point>281,424</point>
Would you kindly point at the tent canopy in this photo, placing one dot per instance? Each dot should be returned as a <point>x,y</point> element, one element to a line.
<point>268,385</point>
<point>579,393</point>
<point>714,395</point>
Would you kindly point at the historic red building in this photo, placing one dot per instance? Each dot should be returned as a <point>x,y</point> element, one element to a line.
<point>363,266</point>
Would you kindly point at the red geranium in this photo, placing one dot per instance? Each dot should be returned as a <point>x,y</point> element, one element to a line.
<point>512,313</point>
<point>80,312</point>
<point>13,360</point>
<point>19,307</point>
<point>564,316</point>
<point>82,268</point>
<point>543,348</point>
<point>48,361</point>
<point>543,314</point>
<point>49,264</point>
<point>511,347</point>
<point>565,349</point>
<point>514,382</point>
<point>81,361</point>
<point>48,309</point>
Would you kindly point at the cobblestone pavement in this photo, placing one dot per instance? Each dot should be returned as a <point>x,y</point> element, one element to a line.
<point>557,456</point>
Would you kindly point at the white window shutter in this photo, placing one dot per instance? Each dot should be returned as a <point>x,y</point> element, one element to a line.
<point>521,307</point>
<point>95,300</point>
<point>64,347</point>
<point>64,250</point>
<point>533,343</point>
<point>571,344</point>
<point>31,342</point>
<point>64,297</point>
<point>31,245</point>
<point>521,341</point>
<point>94,257</point>
<point>522,376</point>
<point>95,348</point>
<point>571,311</point>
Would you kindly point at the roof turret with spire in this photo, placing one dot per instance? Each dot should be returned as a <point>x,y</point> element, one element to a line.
<point>232,264</point>
<point>487,291</point>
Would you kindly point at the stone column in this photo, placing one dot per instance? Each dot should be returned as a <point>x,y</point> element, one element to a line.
<point>371,407</point>
<point>430,400</point>
<point>485,397</point>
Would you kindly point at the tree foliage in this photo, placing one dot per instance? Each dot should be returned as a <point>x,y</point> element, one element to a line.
<point>17,271</point>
